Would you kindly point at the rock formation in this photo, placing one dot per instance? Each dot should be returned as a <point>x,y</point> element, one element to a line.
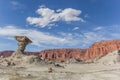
<point>61,54</point>
<point>112,57</point>
<point>95,51</point>
<point>22,42</point>
<point>18,57</point>
<point>102,48</point>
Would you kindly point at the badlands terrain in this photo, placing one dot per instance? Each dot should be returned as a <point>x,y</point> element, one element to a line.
<point>101,61</point>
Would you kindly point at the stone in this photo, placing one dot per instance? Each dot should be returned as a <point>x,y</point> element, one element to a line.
<point>23,41</point>
<point>60,54</point>
<point>58,65</point>
<point>50,69</point>
<point>97,50</point>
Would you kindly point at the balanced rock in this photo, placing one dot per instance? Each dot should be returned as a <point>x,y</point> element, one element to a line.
<point>22,42</point>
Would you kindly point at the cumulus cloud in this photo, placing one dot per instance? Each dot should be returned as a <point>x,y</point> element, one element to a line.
<point>48,17</point>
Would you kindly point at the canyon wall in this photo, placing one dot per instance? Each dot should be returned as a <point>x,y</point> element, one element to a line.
<point>96,50</point>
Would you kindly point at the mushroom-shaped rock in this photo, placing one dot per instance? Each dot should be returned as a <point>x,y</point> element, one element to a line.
<point>22,42</point>
<point>23,39</point>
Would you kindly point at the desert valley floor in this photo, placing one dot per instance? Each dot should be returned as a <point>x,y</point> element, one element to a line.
<point>69,72</point>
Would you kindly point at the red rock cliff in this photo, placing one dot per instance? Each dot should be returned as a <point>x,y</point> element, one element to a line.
<point>61,54</point>
<point>98,49</point>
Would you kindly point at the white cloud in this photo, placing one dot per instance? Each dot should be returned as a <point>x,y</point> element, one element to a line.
<point>48,16</point>
<point>98,28</point>
<point>86,38</point>
<point>39,38</point>
<point>75,28</point>
<point>62,39</point>
<point>91,37</point>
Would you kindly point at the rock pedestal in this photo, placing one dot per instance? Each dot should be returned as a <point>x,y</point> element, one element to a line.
<point>18,58</point>
<point>23,41</point>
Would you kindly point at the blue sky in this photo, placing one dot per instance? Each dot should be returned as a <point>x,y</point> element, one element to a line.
<point>58,23</point>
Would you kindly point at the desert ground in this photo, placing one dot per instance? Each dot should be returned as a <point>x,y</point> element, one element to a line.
<point>74,71</point>
<point>105,68</point>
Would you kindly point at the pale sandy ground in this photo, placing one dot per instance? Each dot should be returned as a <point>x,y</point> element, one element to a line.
<point>70,72</point>
<point>106,68</point>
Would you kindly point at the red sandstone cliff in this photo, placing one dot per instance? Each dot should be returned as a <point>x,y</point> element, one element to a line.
<point>98,49</point>
<point>61,54</point>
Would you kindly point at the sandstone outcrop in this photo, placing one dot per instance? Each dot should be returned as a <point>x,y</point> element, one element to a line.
<point>61,54</point>
<point>23,41</point>
<point>97,50</point>
<point>102,48</point>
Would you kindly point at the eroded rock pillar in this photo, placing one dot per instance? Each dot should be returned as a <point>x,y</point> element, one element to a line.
<point>23,41</point>
<point>21,46</point>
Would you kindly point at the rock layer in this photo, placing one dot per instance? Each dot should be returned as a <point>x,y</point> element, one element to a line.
<point>61,54</point>
<point>97,50</point>
<point>9,53</point>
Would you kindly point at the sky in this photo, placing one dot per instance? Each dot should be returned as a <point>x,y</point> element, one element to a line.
<point>54,24</point>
